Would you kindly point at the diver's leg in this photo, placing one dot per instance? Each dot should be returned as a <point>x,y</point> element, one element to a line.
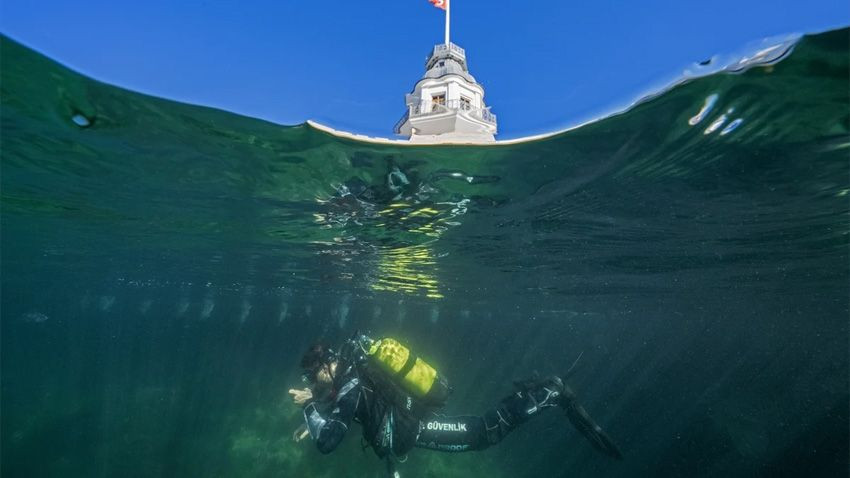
<point>453,434</point>
<point>541,393</point>
<point>531,397</point>
<point>470,433</point>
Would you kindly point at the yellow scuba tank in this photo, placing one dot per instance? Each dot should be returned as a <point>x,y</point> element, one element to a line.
<point>410,372</point>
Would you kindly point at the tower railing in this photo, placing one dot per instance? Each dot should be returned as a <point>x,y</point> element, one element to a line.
<point>450,47</point>
<point>443,50</point>
<point>426,109</point>
<point>397,127</point>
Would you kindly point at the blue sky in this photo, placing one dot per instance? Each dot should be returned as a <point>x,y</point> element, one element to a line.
<point>544,64</point>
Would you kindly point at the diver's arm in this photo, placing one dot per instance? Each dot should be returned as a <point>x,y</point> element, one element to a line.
<point>328,431</point>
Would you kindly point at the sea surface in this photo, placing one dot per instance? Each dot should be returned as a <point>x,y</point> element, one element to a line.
<point>165,265</point>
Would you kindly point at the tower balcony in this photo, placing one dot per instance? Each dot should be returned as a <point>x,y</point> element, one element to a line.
<point>443,51</point>
<point>420,109</point>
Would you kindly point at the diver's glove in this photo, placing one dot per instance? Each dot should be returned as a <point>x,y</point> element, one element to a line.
<point>581,420</point>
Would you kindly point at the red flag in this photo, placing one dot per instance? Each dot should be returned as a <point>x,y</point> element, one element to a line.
<point>441,4</point>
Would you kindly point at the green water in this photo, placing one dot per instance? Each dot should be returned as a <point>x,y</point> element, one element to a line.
<point>164,266</point>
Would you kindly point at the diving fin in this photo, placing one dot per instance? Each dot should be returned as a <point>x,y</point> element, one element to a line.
<point>586,426</point>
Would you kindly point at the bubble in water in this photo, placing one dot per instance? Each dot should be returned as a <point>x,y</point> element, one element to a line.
<point>706,109</point>
<point>402,312</point>
<point>343,311</point>
<point>81,121</point>
<point>731,126</point>
<point>182,306</point>
<point>34,317</point>
<point>715,125</point>
<point>106,302</point>
<point>207,308</point>
<point>435,314</point>
<point>245,311</point>
<point>284,308</point>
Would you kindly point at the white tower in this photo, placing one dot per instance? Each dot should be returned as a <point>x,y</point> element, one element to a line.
<point>447,104</point>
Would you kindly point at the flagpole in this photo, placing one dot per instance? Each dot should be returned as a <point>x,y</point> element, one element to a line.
<point>448,14</point>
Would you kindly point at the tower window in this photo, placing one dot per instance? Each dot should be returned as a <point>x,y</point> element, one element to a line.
<point>437,100</point>
<point>465,103</point>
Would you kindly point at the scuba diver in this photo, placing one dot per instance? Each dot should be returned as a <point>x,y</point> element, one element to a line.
<point>395,395</point>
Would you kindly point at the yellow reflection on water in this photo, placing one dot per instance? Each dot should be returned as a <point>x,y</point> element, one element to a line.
<point>402,234</point>
<point>411,269</point>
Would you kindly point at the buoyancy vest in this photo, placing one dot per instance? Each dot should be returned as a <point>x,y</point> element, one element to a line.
<point>406,389</point>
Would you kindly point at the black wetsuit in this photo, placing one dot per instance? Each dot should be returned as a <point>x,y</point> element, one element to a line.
<point>393,424</point>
